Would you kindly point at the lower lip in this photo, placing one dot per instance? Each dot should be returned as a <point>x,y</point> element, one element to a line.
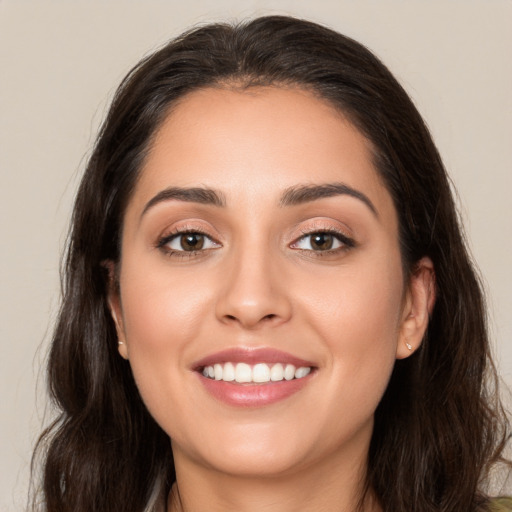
<point>253,395</point>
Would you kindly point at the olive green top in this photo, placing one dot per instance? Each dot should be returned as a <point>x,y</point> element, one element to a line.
<point>501,505</point>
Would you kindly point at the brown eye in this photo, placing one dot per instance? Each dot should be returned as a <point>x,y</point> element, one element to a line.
<point>187,241</point>
<point>321,241</point>
<point>191,241</point>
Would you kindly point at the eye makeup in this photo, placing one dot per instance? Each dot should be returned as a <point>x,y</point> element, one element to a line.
<point>187,241</point>
<point>319,240</point>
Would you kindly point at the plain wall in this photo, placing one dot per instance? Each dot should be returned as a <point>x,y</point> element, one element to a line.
<point>60,62</point>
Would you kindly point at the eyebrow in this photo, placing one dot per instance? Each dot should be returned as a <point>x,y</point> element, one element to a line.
<point>306,193</point>
<point>296,195</point>
<point>199,195</point>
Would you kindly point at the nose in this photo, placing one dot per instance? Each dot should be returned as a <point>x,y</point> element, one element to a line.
<point>254,292</point>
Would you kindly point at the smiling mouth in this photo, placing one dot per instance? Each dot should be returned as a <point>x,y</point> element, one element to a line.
<point>253,377</point>
<point>259,373</point>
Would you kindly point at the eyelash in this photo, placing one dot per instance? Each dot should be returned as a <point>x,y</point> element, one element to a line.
<point>347,242</point>
<point>162,242</point>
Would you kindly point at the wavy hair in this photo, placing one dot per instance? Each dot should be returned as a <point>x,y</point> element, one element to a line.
<point>439,427</point>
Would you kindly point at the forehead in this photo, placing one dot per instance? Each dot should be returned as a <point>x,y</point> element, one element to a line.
<point>260,140</point>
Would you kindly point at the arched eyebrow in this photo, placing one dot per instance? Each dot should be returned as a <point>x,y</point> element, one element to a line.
<point>300,194</point>
<point>292,196</point>
<point>201,195</point>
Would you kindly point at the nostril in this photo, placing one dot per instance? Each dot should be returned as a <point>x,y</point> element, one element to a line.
<point>243,320</point>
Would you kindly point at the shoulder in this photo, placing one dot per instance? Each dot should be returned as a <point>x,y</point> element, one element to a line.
<point>500,505</point>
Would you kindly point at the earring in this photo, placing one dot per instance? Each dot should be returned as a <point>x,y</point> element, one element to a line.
<point>408,345</point>
<point>120,343</point>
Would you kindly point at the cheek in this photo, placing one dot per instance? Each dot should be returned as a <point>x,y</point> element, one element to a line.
<point>162,317</point>
<point>357,314</point>
<point>159,307</point>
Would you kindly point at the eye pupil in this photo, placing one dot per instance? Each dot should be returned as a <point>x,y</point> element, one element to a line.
<point>192,241</point>
<point>321,241</point>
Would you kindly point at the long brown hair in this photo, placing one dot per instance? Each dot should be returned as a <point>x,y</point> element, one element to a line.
<point>439,427</point>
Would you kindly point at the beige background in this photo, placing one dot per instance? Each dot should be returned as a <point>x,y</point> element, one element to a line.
<point>59,65</point>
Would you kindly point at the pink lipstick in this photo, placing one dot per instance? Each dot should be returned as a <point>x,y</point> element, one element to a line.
<point>253,377</point>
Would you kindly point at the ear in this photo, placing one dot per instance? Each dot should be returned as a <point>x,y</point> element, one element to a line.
<point>114,304</point>
<point>418,305</point>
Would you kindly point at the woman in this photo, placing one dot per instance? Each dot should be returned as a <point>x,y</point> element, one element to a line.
<point>268,303</point>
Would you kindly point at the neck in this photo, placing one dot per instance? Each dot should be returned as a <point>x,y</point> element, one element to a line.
<point>329,487</point>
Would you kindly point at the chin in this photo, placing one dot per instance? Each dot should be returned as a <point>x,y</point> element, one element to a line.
<point>251,461</point>
<point>245,450</point>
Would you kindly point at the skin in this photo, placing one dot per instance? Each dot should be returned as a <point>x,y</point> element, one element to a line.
<point>260,283</point>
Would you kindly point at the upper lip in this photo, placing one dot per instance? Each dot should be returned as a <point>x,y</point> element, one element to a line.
<point>250,356</point>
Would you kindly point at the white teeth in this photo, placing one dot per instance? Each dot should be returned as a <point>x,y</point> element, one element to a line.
<point>258,373</point>
<point>261,373</point>
<point>302,372</point>
<point>228,373</point>
<point>243,373</point>
<point>289,372</point>
<point>277,372</point>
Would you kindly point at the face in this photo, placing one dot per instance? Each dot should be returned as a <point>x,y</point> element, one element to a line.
<point>262,302</point>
